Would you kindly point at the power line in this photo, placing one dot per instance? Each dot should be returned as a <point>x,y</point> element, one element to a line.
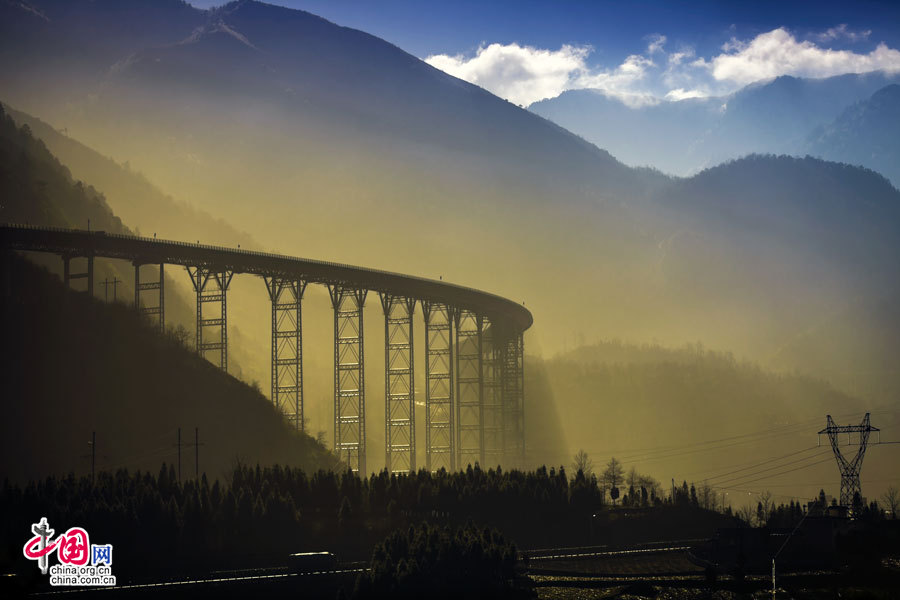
<point>749,464</point>
<point>785,472</point>
<point>804,459</point>
<point>823,483</point>
<point>780,430</point>
<point>765,462</point>
<point>758,438</point>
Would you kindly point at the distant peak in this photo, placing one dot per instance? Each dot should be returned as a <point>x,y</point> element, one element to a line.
<point>218,26</point>
<point>888,91</point>
<point>28,8</point>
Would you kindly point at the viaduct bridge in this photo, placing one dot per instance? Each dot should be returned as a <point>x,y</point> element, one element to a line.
<point>474,352</point>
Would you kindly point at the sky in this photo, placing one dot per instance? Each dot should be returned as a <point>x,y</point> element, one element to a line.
<point>643,51</point>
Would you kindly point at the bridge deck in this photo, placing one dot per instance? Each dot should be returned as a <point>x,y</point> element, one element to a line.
<point>502,312</point>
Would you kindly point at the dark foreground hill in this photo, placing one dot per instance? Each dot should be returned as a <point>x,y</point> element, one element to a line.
<point>73,365</point>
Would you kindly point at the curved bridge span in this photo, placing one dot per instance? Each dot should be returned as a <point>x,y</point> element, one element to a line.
<point>474,352</point>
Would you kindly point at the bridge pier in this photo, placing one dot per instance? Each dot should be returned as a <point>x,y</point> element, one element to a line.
<point>349,376</point>
<point>439,432</point>
<point>492,412</point>
<point>470,390</point>
<point>68,276</point>
<point>513,391</point>
<point>287,347</point>
<point>160,309</point>
<point>399,384</point>
<point>204,278</point>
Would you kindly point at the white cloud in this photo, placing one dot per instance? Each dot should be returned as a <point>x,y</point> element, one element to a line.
<point>656,44</point>
<point>676,58</point>
<point>842,32</point>
<point>624,82</point>
<point>521,74</point>
<point>778,52</point>
<point>524,74</point>
<point>683,94</point>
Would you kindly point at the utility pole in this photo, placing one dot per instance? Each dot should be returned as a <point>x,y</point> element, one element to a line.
<point>197,453</point>
<point>93,444</point>
<point>782,548</point>
<point>849,469</point>
<point>179,455</point>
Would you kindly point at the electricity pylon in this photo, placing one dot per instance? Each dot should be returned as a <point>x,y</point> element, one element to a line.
<point>849,468</point>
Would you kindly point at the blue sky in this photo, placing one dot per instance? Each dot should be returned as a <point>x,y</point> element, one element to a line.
<point>510,46</point>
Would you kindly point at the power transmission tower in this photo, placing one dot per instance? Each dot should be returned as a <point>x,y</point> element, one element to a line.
<point>849,468</point>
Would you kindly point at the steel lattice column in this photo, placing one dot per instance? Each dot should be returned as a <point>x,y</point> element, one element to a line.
<point>493,408</point>
<point>349,376</point>
<point>439,432</point>
<point>160,309</point>
<point>513,390</point>
<point>287,347</point>
<point>469,390</point>
<point>202,278</point>
<point>68,276</point>
<point>399,384</point>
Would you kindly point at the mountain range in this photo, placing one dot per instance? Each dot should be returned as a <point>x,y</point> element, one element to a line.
<point>318,140</point>
<point>780,116</point>
<point>864,133</point>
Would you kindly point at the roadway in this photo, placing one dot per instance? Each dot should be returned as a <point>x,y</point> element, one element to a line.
<point>502,312</point>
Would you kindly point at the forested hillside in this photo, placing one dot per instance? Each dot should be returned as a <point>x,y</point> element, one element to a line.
<point>73,365</point>
<point>692,413</point>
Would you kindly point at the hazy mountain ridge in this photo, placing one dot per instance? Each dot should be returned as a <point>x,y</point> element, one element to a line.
<point>626,399</point>
<point>132,196</point>
<point>685,136</point>
<point>342,76</point>
<point>40,190</point>
<point>866,133</point>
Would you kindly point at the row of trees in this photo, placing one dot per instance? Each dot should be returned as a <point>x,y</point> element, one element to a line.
<point>634,488</point>
<point>643,490</point>
<point>261,513</point>
<point>440,562</point>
